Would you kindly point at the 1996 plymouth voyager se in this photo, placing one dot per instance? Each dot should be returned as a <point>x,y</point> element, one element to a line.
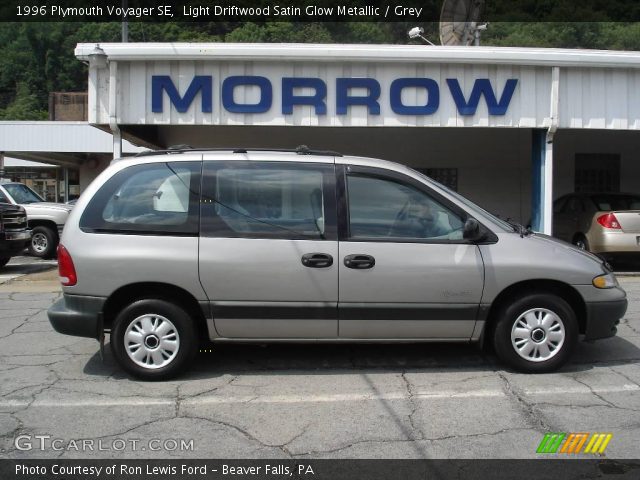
<point>171,247</point>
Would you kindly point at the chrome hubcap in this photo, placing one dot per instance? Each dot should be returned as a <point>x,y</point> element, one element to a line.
<point>39,242</point>
<point>581,245</point>
<point>151,341</point>
<point>538,334</point>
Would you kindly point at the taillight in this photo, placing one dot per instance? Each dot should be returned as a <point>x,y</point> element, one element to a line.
<point>609,220</point>
<point>66,270</point>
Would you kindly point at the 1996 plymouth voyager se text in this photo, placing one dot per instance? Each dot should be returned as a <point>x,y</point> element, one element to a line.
<point>171,247</point>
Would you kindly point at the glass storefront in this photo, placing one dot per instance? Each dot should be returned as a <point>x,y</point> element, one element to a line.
<point>48,181</point>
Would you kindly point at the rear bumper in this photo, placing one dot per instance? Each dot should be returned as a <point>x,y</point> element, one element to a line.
<point>614,242</point>
<point>603,318</point>
<point>77,315</point>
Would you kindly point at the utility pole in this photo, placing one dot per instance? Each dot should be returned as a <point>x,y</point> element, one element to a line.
<point>125,24</point>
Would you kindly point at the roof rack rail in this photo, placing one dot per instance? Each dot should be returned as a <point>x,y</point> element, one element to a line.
<point>300,150</point>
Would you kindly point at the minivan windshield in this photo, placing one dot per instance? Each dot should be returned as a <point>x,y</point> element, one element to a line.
<point>470,205</point>
<point>22,194</point>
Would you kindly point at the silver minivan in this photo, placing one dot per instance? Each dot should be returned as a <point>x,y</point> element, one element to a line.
<point>168,249</point>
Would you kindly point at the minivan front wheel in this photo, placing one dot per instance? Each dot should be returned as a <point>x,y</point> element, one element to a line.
<point>153,339</point>
<point>536,333</point>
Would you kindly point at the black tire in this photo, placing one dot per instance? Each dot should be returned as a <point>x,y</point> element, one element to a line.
<point>4,261</point>
<point>186,335</point>
<point>509,314</point>
<point>44,242</point>
<point>581,242</point>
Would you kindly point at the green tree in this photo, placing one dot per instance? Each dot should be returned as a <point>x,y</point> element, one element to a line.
<point>280,32</point>
<point>25,106</point>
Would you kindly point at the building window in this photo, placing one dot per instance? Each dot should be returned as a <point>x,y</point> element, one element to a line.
<point>446,176</point>
<point>597,172</point>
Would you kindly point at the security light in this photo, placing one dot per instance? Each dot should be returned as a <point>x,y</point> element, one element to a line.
<point>416,32</point>
<point>97,57</point>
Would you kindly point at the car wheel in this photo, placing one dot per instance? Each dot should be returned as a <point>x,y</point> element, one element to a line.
<point>43,242</point>
<point>536,333</point>
<point>581,242</point>
<point>4,261</point>
<point>153,339</point>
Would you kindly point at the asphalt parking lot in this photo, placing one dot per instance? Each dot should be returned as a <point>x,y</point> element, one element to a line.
<point>338,401</point>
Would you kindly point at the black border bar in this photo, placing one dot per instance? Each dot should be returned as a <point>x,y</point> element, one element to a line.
<point>312,469</point>
<point>416,11</point>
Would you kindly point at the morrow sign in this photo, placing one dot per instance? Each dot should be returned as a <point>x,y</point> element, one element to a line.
<point>349,92</point>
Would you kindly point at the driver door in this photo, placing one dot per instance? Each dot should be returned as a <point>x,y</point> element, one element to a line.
<point>405,270</point>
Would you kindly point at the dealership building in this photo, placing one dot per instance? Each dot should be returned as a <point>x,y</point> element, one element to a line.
<point>510,128</point>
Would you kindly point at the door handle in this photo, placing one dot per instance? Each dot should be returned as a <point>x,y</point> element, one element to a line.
<point>317,260</point>
<point>359,261</point>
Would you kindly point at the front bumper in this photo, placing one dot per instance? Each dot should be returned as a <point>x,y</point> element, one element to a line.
<point>13,243</point>
<point>603,318</point>
<point>77,315</point>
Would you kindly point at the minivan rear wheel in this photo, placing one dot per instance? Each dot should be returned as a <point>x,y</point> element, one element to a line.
<point>153,339</point>
<point>535,333</point>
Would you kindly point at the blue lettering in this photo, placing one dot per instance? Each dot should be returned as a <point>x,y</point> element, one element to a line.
<point>482,86</point>
<point>433,96</point>
<point>344,100</point>
<point>289,99</point>
<point>266,94</point>
<point>203,85</point>
<point>200,83</point>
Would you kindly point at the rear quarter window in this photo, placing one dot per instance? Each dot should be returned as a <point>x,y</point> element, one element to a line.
<point>157,198</point>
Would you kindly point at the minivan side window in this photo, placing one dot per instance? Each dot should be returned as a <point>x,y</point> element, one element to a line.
<point>153,198</point>
<point>269,200</point>
<point>381,208</point>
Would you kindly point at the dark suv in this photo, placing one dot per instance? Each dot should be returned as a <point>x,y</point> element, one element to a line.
<point>14,236</point>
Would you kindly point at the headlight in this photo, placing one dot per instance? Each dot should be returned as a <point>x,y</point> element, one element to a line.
<point>608,280</point>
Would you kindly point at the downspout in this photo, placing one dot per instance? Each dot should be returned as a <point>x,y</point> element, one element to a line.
<point>113,115</point>
<point>548,161</point>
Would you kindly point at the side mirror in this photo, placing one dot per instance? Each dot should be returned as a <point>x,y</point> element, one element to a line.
<point>471,230</point>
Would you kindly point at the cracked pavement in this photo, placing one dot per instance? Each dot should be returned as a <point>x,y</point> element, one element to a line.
<point>297,401</point>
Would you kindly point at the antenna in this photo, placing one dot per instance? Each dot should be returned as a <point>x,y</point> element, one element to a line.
<point>459,22</point>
